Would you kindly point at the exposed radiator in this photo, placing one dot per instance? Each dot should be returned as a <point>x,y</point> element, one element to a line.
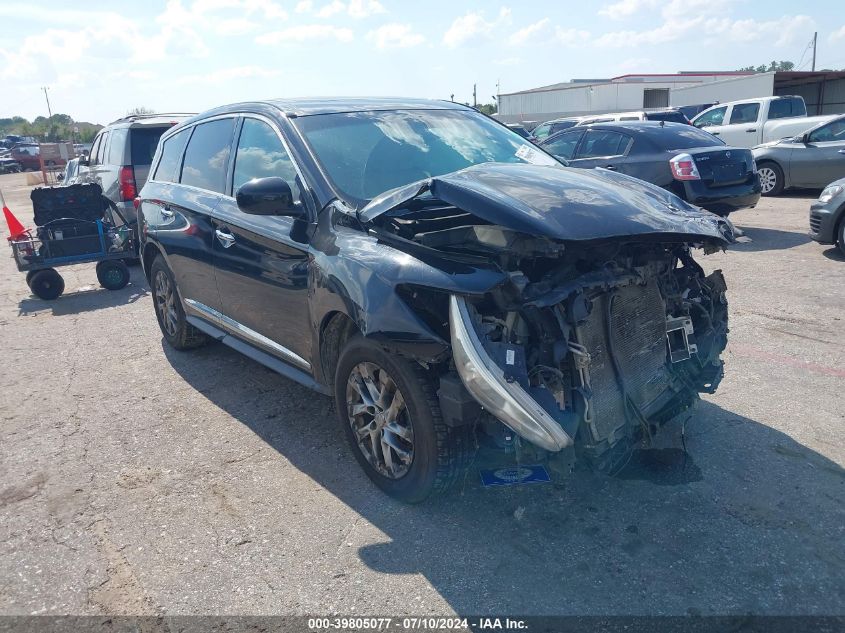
<point>638,324</point>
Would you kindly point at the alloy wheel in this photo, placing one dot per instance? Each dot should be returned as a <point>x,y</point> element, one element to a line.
<point>379,420</point>
<point>165,302</point>
<point>768,178</point>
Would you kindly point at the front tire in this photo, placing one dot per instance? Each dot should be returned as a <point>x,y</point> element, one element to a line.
<point>840,242</point>
<point>390,414</point>
<point>175,328</point>
<point>771,179</point>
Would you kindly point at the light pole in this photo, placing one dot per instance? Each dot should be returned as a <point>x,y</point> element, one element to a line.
<point>47,97</point>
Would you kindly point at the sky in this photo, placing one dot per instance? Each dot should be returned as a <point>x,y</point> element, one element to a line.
<point>107,58</point>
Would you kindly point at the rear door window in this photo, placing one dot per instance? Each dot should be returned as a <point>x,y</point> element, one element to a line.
<point>207,156</point>
<point>598,143</point>
<point>116,147</point>
<point>714,117</point>
<point>563,145</point>
<point>171,157</point>
<point>787,107</point>
<point>745,113</point>
<point>99,156</point>
<point>261,154</point>
<point>143,142</point>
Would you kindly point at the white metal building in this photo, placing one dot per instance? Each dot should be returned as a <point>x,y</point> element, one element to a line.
<point>824,93</point>
<point>619,94</point>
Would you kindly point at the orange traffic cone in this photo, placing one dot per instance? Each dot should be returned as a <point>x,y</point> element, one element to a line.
<point>16,229</point>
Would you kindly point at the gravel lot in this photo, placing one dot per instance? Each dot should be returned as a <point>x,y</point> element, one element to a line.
<point>139,480</point>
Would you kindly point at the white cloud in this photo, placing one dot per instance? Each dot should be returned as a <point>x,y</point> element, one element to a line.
<point>571,37</point>
<point>305,6</point>
<point>395,36</point>
<point>839,34</point>
<point>229,74</point>
<point>472,26</point>
<point>306,32</point>
<point>532,32</point>
<point>364,8</point>
<point>331,8</point>
<point>626,8</point>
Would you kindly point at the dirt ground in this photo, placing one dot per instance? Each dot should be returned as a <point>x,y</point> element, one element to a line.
<point>139,480</point>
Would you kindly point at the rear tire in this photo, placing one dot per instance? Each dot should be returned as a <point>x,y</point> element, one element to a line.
<point>771,179</point>
<point>112,274</point>
<point>47,284</point>
<point>840,242</point>
<point>429,455</point>
<point>175,328</point>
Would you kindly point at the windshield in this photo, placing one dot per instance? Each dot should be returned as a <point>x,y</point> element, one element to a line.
<point>367,153</point>
<point>683,137</point>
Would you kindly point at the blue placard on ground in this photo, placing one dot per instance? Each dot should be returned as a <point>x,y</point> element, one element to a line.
<point>514,475</point>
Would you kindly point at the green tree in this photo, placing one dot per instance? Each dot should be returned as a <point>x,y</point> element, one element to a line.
<point>774,66</point>
<point>140,110</point>
<point>487,108</point>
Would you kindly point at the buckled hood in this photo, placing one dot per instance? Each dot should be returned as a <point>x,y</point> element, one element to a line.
<point>561,203</point>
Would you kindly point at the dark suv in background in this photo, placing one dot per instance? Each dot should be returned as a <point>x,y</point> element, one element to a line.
<point>121,155</point>
<point>445,280</point>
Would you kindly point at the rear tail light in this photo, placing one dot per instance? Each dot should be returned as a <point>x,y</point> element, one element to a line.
<point>128,190</point>
<point>684,168</point>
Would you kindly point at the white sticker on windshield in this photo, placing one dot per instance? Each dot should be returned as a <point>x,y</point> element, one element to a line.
<point>531,155</point>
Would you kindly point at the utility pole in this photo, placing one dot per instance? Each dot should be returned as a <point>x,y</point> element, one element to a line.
<point>47,97</point>
<point>474,100</point>
<point>815,39</point>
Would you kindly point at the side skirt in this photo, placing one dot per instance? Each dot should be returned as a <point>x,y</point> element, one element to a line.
<point>269,361</point>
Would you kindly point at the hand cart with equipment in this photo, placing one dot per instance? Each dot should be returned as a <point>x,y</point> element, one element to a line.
<point>73,228</point>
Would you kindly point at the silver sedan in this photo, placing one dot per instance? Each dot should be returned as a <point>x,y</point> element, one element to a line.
<point>813,159</point>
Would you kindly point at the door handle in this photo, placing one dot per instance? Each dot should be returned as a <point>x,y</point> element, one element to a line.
<point>610,167</point>
<point>715,133</point>
<point>842,151</point>
<point>226,239</point>
<point>751,130</point>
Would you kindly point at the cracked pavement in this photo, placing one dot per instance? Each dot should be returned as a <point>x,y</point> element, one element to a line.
<point>139,480</point>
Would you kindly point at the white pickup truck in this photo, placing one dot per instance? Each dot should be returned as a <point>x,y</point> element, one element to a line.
<point>752,122</point>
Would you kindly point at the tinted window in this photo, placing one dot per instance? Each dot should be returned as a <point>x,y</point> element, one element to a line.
<point>787,107</point>
<point>745,113</point>
<point>834,131</point>
<point>260,155</point>
<point>603,143</point>
<point>681,137</point>
<point>171,157</point>
<point>712,117</point>
<point>669,116</point>
<point>542,131</point>
<point>207,156</point>
<point>561,125</point>
<point>118,142</point>
<point>95,148</point>
<point>563,145</point>
<point>143,142</point>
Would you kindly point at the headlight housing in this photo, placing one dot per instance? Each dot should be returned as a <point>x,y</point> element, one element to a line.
<point>830,192</point>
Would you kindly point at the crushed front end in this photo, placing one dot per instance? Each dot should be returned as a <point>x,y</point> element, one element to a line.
<point>598,353</point>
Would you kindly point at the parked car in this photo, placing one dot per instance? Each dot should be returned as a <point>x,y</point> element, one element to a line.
<point>442,278</point>
<point>28,156</point>
<point>690,163</point>
<point>752,122</point>
<point>553,127</point>
<point>827,216</point>
<point>671,115</point>
<point>520,129</point>
<point>9,165</point>
<point>690,111</point>
<point>120,158</point>
<point>811,160</point>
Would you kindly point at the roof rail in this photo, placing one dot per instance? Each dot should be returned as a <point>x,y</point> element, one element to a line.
<point>152,115</point>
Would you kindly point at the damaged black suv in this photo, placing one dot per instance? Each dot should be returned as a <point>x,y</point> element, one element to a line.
<point>442,278</point>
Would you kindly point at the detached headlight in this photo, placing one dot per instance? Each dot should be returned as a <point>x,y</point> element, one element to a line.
<point>830,193</point>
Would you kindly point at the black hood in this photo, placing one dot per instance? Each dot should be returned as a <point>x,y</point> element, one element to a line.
<point>561,203</point>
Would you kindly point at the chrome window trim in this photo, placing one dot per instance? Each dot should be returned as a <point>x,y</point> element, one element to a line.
<point>229,324</point>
